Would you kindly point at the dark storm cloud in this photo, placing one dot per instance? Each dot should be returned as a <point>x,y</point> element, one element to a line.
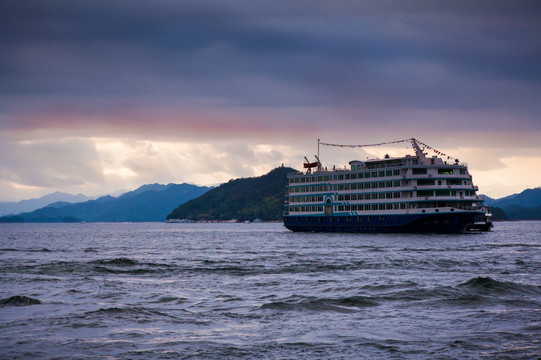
<point>379,54</point>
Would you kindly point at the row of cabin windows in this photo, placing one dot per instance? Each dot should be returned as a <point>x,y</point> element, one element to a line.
<point>370,196</point>
<point>375,185</point>
<point>381,195</point>
<point>347,197</point>
<point>339,177</point>
<point>428,182</point>
<point>304,199</point>
<point>441,171</point>
<point>312,208</point>
<point>343,218</point>
<point>368,175</point>
<point>424,193</point>
<point>313,188</point>
<point>342,187</point>
<point>370,207</point>
<point>357,207</point>
<point>385,206</point>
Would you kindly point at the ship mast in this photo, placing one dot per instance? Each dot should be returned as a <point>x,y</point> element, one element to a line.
<point>420,154</point>
<point>317,157</point>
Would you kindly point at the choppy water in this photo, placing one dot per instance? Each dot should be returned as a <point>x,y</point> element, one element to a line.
<point>255,291</point>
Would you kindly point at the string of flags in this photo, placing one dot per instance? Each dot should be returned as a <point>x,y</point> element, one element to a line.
<point>366,145</point>
<point>392,142</point>
<point>435,151</point>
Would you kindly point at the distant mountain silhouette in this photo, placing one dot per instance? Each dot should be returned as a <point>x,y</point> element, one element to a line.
<point>527,198</point>
<point>147,203</point>
<point>16,207</point>
<point>523,206</point>
<point>242,199</point>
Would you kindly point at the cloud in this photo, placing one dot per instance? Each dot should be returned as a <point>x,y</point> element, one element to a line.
<point>227,88</point>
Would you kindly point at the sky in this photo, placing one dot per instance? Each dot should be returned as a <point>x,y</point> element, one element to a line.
<point>102,96</point>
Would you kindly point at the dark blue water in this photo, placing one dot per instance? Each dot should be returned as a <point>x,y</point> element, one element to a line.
<point>229,291</point>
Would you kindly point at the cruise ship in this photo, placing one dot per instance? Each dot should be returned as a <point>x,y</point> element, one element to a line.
<point>410,194</point>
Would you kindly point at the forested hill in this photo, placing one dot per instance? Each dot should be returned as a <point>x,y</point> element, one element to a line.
<point>242,199</point>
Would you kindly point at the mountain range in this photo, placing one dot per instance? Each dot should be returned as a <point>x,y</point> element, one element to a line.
<point>10,208</point>
<point>243,199</point>
<point>148,203</point>
<point>523,206</point>
<point>527,198</point>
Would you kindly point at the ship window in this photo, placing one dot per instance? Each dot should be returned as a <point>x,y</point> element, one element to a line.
<point>381,173</point>
<point>374,174</point>
<point>445,171</point>
<point>421,171</point>
<point>424,182</point>
<point>421,193</point>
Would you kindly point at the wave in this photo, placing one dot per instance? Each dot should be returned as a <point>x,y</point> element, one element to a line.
<point>167,299</point>
<point>310,303</point>
<point>19,300</point>
<point>139,314</point>
<point>123,265</point>
<point>489,286</point>
<point>121,261</point>
<point>129,312</point>
<point>24,250</point>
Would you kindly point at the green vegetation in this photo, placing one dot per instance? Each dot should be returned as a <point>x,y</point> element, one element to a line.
<point>497,214</point>
<point>242,199</point>
<point>515,212</point>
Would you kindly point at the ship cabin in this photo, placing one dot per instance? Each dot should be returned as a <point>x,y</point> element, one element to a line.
<point>404,185</point>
